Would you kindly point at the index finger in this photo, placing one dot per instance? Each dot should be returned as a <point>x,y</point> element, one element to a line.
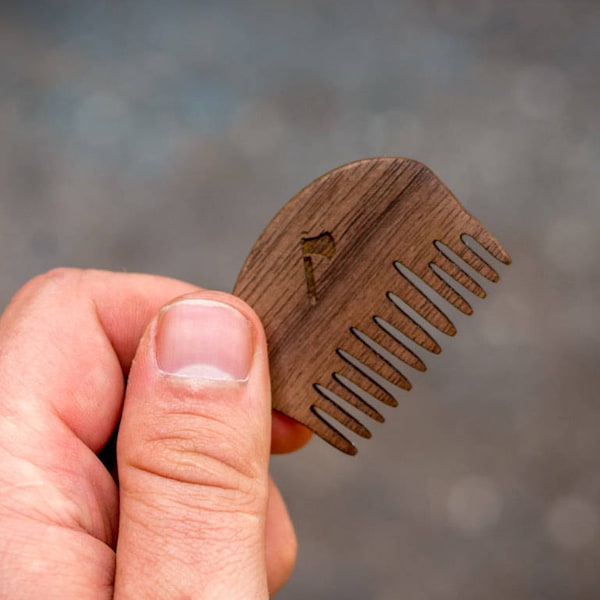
<point>96,320</point>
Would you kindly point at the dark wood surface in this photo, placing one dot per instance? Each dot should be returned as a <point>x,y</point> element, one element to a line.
<point>329,276</point>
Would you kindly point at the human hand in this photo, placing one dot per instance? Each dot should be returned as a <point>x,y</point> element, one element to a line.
<point>195,514</point>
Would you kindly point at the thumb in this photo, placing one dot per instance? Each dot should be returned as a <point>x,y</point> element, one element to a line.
<point>193,454</point>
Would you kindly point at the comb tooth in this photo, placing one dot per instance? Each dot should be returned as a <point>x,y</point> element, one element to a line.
<point>420,303</point>
<point>443,262</point>
<point>445,291</point>
<point>382,337</point>
<point>474,260</point>
<point>377,359</point>
<point>359,360</point>
<point>351,393</point>
<point>328,403</point>
<point>485,239</point>
<point>327,432</point>
<point>359,384</point>
<point>406,325</point>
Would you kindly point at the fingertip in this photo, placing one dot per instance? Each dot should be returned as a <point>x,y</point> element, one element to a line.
<point>287,434</point>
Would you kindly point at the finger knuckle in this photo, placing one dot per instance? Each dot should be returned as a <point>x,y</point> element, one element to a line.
<point>50,283</point>
<point>204,467</point>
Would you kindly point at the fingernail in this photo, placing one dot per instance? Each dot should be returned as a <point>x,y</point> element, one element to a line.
<point>204,339</point>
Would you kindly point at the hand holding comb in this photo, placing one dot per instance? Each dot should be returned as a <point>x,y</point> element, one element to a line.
<point>336,275</point>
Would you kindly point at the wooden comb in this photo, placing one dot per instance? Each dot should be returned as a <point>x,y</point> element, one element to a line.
<point>336,275</point>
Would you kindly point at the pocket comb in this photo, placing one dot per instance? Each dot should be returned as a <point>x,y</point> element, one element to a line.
<point>342,276</point>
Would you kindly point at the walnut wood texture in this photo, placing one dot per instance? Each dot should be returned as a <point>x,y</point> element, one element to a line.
<point>328,277</point>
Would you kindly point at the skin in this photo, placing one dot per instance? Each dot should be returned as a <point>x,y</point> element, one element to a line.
<point>194,513</point>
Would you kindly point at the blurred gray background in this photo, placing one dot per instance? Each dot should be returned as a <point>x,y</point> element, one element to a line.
<point>163,136</point>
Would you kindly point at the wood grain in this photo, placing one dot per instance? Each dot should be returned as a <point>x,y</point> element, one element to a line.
<point>323,274</point>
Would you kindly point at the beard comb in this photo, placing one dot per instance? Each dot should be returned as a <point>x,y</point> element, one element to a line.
<point>346,279</point>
